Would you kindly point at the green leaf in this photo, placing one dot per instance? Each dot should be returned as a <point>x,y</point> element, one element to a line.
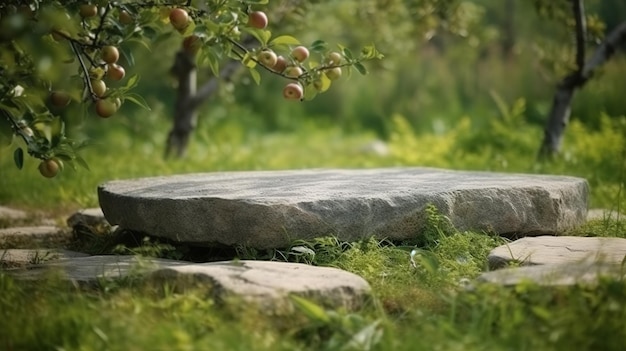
<point>428,261</point>
<point>284,40</point>
<point>255,76</point>
<point>370,52</point>
<point>140,41</point>
<point>248,61</point>
<point>82,162</point>
<point>347,53</point>
<point>312,310</point>
<point>137,100</point>
<point>57,131</point>
<point>256,2</point>
<point>359,67</point>
<point>212,59</point>
<point>319,46</point>
<point>366,338</point>
<point>261,35</point>
<point>310,92</point>
<point>132,82</point>
<point>18,157</point>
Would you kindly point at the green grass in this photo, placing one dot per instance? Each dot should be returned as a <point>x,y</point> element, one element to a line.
<point>505,146</point>
<point>413,308</point>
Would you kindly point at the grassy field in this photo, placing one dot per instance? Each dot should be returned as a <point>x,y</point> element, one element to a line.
<point>448,104</point>
<point>423,308</point>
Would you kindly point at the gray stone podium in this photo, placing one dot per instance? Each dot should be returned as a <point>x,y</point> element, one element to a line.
<point>271,209</point>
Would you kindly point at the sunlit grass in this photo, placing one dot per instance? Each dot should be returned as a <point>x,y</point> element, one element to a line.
<point>416,306</point>
<point>596,155</point>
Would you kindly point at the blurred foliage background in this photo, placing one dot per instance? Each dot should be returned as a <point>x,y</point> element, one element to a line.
<point>464,85</point>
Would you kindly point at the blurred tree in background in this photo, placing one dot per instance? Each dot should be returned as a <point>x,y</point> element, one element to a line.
<point>446,61</point>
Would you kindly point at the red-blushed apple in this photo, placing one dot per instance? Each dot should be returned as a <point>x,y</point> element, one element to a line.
<point>50,168</point>
<point>267,58</point>
<point>125,18</point>
<point>88,10</point>
<point>334,58</point>
<point>179,18</point>
<point>110,54</point>
<point>115,72</point>
<point>293,91</point>
<point>300,53</point>
<point>105,108</point>
<point>281,64</point>
<point>293,72</point>
<point>333,73</point>
<point>257,19</point>
<point>99,87</point>
<point>60,98</point>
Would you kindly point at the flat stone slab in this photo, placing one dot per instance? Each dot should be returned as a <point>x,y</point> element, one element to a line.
<point>22,257</point>
<point>7,213</point>
<point>267,283</point>
<point>271,209</point>
<point>544,250</point>
<point>578,273</point>
<point>34,237</point>
<point>90,269</point>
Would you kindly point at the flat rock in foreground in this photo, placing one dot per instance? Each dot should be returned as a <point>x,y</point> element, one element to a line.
<point>544,250</point>
<point>34,237</point>
<point>271,282</point>
<point>271,209</point>
<point>23,257</point>
<point>563,274</point>
<point>266,283</point>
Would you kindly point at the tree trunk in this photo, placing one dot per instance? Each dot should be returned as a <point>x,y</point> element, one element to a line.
<point>185,116</point>
<point>189,98</point>
<point>508,40</point>
<point>561,104</point>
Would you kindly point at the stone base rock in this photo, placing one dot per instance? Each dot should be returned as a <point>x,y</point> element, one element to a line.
<point>34,237</point>
<point>23,257</point>
<point>11,214</point>
<point>91,269</point>
<point>271,209</point>
<point>558,250</point>
<point>269,283</point>
<point>265,283</point>
<point>579,273</point>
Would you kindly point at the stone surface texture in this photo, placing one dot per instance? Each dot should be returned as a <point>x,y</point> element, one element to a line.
<point>7,213</point>
<point>268,282</point>
<point>21,257</point>
<point>270,209</point>
<point>564,274</point>
<point>34,237</point>
<point>92,268</point>
<point>263,282</point>
<point>544,250</point>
